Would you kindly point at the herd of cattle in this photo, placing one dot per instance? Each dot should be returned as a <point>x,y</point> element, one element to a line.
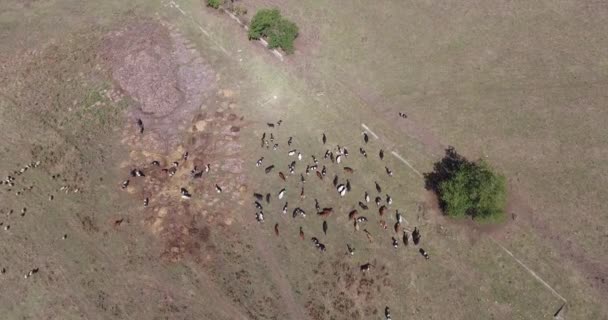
<point>332,163</point>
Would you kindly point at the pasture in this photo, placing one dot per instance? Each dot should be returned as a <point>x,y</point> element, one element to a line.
<point>77,76</point>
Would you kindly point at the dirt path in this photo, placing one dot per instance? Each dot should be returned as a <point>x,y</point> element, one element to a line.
<point>293,309</point>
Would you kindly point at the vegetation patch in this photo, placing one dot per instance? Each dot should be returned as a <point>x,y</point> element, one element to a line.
<point>215,4</point>
<point>280,32</point>
<point>467,188</point>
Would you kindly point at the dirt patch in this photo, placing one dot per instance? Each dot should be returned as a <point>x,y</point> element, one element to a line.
<point>163,74</point>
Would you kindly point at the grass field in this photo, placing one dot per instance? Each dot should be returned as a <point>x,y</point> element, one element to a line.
<point>520,84</point>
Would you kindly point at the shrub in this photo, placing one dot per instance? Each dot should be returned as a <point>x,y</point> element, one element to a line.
<point>280,32</point>
<point>468,188</point>
<point>215,4</point>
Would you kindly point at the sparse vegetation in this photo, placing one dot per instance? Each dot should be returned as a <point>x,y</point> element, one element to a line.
<point>215,4</point>
<point>280,32</point>
<point>468,188</point>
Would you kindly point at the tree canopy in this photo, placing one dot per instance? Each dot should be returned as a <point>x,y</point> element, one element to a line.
<point>468,188</point>
<point>280,32</point>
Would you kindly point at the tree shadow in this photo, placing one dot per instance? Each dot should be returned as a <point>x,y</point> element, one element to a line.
<point>443,170</point>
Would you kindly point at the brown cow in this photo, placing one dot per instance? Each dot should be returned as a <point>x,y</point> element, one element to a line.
<point>282,176</point>
<point>276,229</point>
<point>382,210</point>
<point>326,212</point>
<point>348,170</point>
<point>352,214</point>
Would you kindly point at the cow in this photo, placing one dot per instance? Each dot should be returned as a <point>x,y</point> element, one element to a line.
<point>124,184</point>
<point>381,154</point>
<point>351,250</point>
<point>324,138</point>
<point>387,313</point>
<point>363,206</point>
<point>269,168</point>
<point>146,201</point>
<point>258,196</point>
<point>366,267</point>
<point>289,141</point>
<point>301,233</point>
<point>276,229</point>
<point>382,210</point>
<point>424,253</point>
<point>395,243</point>
<point>366,197</point>
<point>259,162</point>
<point>348,188</point>
<point>325,227</point>
<point>185,194</point>
<point>405,238</point>
<point>378,188</point>
<point>416,236</point>
<point>268,197</point>
<point>281,193</point>
<point>388,171</point>
<point>389,200</point>
<point>140,124</point>
<point>348,170</point>
<point>325,212</point>
<point>319,175</point>
<point>218,189</point>
<point>363,152</point>
<point>285,208</point>
<point>352,214</point>
<point>282,176</point>
<point>335,181</point>
<point>365,137</point>
<point>397,227</point>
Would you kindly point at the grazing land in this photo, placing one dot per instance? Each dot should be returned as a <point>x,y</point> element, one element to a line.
<point>521,85</point>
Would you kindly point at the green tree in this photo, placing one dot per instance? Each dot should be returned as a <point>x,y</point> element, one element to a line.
<point>280,32</point>
<point>215,4</point>
<point>467,188</point>
<point>263,21</point>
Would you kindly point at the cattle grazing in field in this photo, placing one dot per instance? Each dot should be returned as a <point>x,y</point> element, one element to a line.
<point>317,206</point>
<point>258,205</point>
<point>325,227</point>
<point>366,196</point>
<point>259,162</point>
<point>146,201</point>
<point>351,250</point>
<point>352,214</point>
<point>363,205</point>
<point>398,216</point>
<point>339,159</point>
<point>397,227</point>
<point>279,122</point>
<point>335,181</point>
<point>270,125</point>
<point>299,211</point>
<point>348,188</point>
<point>341,189</point>
<point>378,188</point>
<point>319,175</point>
<point>348,170</point>
<point>387,313</point>
<point>140,124</point>
<point>361,219</point>
<point>137,173</point>
<point>381,154</point>
<point>395,242</point>
<point>378,200</point>
<point>402,115</point>
<point>302,179</point>
<point>301,233</point>
<point>31,272</point>
<point>258,196</point>
<point>366,267</point>
<point>124,184</point>
<point>259,216</point>
<point>324,171</point>
<point>218,189</point>
<point>302,195</point>
<point>383,224</point>
<point>281,193</point>
<point>291,152</point>
<point>382,210</point>
<point>325,212</point>
<point>363,152</point>
<point>268,198</point>
<point>368,235</point>
<point>155,163</point>
<point>389,200</point>
<point>345,152</point>
<point>282,176</point>
<point>365,137</point>
<point>185,194</point>
<point>185,156</point>
<point>324,138</point>
<point>405,238</point>
<point>207,167</point>
<point>416,236</point>
<point>388,171</point>
<point>269,168</point>
<point>276,229</point>
<point>289,141</point>
<point>424,253</point>
<point>285,207</point>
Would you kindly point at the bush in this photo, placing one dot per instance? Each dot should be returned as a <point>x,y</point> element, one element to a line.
<point>468,188</point>
<point>280,32</point>
<point>215,4</point>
